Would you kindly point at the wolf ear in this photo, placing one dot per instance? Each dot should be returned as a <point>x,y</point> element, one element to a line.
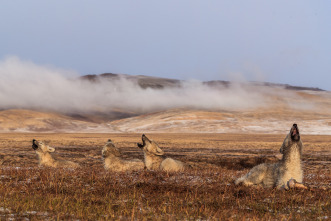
<point>159,151</point>
<point>50,149</point>
<point>145,138</point>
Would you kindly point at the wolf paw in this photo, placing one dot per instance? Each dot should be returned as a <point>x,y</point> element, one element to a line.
<point>292,183</point>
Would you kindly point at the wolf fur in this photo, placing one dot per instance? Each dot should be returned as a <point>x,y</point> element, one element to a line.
<point>155,159</point>
<point>114,162</point>
<point>279,174</point>
<point>45,158</point>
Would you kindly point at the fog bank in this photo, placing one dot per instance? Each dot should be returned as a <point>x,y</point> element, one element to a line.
<point>24,84</point>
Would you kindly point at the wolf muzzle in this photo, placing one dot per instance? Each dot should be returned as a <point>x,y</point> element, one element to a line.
<point>295,134</point>
<point>34,145</point>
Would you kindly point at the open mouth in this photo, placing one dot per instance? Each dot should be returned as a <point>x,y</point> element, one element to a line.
<point>34,145</point>
<point>143,137</point>
<point>295,135</point>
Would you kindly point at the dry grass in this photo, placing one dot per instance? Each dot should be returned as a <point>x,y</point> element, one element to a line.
<point>205,192</point>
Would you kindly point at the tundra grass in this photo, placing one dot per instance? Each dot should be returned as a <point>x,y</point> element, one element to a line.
<point>205,192</point>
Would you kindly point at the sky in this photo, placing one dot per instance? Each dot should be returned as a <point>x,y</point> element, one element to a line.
<point>275,41</point>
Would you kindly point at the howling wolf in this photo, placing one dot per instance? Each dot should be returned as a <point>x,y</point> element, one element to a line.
<point>155,159</point>
<point>114,162</point>
<point>45,159</point>
<point>284,173</point>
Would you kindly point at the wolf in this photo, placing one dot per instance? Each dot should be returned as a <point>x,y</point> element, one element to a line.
<point>113,161</point>
<point>283,173</point>
<point>155,159</point>
<point>45,159</point>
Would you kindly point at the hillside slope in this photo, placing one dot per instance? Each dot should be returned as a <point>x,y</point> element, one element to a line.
<point>255,121</point>
<point>158,105</point>
<point>16,120</point>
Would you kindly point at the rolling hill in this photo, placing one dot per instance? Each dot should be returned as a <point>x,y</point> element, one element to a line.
<point>279,106</point>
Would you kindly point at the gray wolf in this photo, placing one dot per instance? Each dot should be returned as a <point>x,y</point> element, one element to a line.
<point>45,158</point>
<point>113,161</point>
<point>283,173</point>
<point>155,159</point>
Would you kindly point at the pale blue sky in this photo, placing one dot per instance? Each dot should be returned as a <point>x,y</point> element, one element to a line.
<point>277,41</point>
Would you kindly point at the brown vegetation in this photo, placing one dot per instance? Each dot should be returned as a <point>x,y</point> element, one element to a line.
<point>205,192</point>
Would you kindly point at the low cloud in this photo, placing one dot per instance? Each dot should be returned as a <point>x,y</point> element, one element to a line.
<point>24,84</point>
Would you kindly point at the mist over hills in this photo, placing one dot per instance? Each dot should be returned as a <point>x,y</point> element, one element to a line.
<point>126,103</point>
<point>160,83</point>
<point>141,80</point>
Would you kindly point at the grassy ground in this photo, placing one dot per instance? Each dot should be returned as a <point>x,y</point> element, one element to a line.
<point>204,192</point>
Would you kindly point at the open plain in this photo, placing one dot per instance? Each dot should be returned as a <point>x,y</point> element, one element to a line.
<point>205,192</point>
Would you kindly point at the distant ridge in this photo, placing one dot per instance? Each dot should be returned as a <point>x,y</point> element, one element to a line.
<point>142,80</point>
<point>291,87</point>
<point>160,83</point>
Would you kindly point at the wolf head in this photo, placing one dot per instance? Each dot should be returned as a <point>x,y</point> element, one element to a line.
<point>294,132</point>
<point>110,149</point>
<point>40,147</point>
<point>292,138</point>
<point>149,146</point>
